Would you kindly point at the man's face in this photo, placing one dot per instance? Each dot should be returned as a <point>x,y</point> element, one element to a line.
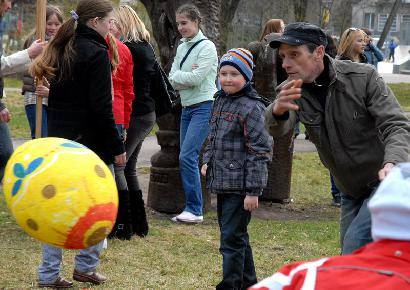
<point>5,5</point>
<point>300,63</point>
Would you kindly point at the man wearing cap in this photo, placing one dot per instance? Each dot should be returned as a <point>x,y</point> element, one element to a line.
<point>351,116</point>
<point>383,264</point>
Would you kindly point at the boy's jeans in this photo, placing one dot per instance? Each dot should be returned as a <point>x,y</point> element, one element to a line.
<point>355,223</point>
<point>86,260</point>
<point>6,147</point>
<point>194,130</point>
<point>238,267</point>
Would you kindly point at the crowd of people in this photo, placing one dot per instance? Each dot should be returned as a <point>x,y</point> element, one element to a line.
<point>97,68</point>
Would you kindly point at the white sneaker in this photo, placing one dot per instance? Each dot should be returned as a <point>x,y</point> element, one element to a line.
<point>187,217</point>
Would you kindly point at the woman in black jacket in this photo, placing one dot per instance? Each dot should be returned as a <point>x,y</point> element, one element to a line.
<point>143,116</point>
<point>80,109</point>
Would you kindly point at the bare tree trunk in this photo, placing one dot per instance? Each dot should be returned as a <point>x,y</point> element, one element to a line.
<point>389,22</point>
<point>300,7</point>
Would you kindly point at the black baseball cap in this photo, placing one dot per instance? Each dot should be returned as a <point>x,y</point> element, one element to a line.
<point>300,33</point>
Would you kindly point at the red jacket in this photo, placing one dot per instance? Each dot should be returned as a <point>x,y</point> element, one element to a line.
<point>123,85</point>
<point>382,265</point>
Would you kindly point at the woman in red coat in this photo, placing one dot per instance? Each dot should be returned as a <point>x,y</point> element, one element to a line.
<point>122,78</point>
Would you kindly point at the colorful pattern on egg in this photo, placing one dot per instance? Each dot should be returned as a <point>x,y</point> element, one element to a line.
<point>61,193</point>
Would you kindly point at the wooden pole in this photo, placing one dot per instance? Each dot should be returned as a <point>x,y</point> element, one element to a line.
<point>41,34</point>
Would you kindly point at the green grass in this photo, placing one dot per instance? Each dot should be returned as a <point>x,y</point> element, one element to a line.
<point>173,256</point>
<point>402,93</point>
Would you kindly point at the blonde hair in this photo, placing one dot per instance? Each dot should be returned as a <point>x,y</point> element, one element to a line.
<point>131,26</point>
<point>272,25</point>
<point>113,48</point>
<point>345,48</point>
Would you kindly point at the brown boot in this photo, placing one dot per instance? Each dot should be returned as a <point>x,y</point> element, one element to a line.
<point>92,277</point>
<point>59,283</point>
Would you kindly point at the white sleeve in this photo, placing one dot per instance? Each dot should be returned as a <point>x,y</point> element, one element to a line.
<point>15,63</point>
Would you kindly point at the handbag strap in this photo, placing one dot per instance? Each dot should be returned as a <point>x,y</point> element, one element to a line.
<point>189,51</point>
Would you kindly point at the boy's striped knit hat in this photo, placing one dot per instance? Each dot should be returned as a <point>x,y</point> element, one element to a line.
<point>241,59</point>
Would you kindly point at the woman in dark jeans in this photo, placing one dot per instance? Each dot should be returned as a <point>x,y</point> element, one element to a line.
<point>136,38</point>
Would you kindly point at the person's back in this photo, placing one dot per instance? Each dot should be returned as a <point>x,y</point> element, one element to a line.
<point>80,106</point>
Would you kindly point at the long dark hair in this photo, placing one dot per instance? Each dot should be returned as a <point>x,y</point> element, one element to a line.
<point>60,52</point>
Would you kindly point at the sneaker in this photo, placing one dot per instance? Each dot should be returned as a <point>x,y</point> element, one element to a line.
<point>187,217</point>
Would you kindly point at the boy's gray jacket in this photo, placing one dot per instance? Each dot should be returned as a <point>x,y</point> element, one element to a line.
<point>361,129</point>
<point>238,147</point>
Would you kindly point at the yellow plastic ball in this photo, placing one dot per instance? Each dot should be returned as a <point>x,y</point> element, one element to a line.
<point>61,193</point>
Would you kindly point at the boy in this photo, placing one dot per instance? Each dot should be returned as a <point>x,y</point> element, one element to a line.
<point>235,164</point>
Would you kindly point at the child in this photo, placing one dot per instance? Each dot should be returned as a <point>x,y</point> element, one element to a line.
<point>235,164</point>
<point>54,20</point>
<point>80,108</point>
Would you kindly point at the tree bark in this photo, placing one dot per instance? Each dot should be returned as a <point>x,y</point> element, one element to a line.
<point>388,24</point>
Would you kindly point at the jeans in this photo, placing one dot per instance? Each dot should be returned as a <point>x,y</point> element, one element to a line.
<point>6,147</point>
<point>31,117</point>
<point>237,259</point>
<point>140,127</point>
<point>193,132</point>
<point>86,260</point>
<point>333,188</point>
<point>355,223</point>
<point>119,170</point>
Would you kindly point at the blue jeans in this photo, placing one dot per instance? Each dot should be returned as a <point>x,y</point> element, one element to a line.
<point>355,223</point>
<point>6,147</point>
<point>237,259</point>
<point>31,117</point>
<point>86,260</point>
<point>193,132</point>
<point>333,188</point>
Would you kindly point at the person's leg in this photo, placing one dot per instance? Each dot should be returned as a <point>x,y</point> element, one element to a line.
<point>88,259</point>
<point>119,169</point>
<point>140,127</point>
<point>233,221</point>
<point>348,211</point>
<point>31,118</point>
<point>49,270</point>
<point>358,233</point>
<point>6,147</point>
<point>335,192</point>
<point>195,135</point>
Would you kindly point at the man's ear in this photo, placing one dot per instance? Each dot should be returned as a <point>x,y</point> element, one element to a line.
<point>319,52</point>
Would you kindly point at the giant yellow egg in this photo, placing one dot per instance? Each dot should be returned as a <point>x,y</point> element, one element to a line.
<point>61,193</point>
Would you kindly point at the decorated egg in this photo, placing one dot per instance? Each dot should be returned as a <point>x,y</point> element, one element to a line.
<point>61,193</point>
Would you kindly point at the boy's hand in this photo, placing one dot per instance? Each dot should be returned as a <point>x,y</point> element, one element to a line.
<point>250,203</point>
<point>203,169</point>
<point>284,102</point>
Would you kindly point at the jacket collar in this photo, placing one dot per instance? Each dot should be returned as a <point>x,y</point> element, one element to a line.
<point>247,91</point>
<point>87,32</point>
<point>197,37</point>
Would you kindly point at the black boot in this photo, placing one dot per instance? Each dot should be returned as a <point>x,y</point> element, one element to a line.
<point>139,217</point>
<point>123,225</point>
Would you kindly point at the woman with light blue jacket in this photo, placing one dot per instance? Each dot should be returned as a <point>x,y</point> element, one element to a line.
<point>193,73</point>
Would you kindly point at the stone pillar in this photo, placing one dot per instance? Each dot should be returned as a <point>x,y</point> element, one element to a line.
<point>165,192</point>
